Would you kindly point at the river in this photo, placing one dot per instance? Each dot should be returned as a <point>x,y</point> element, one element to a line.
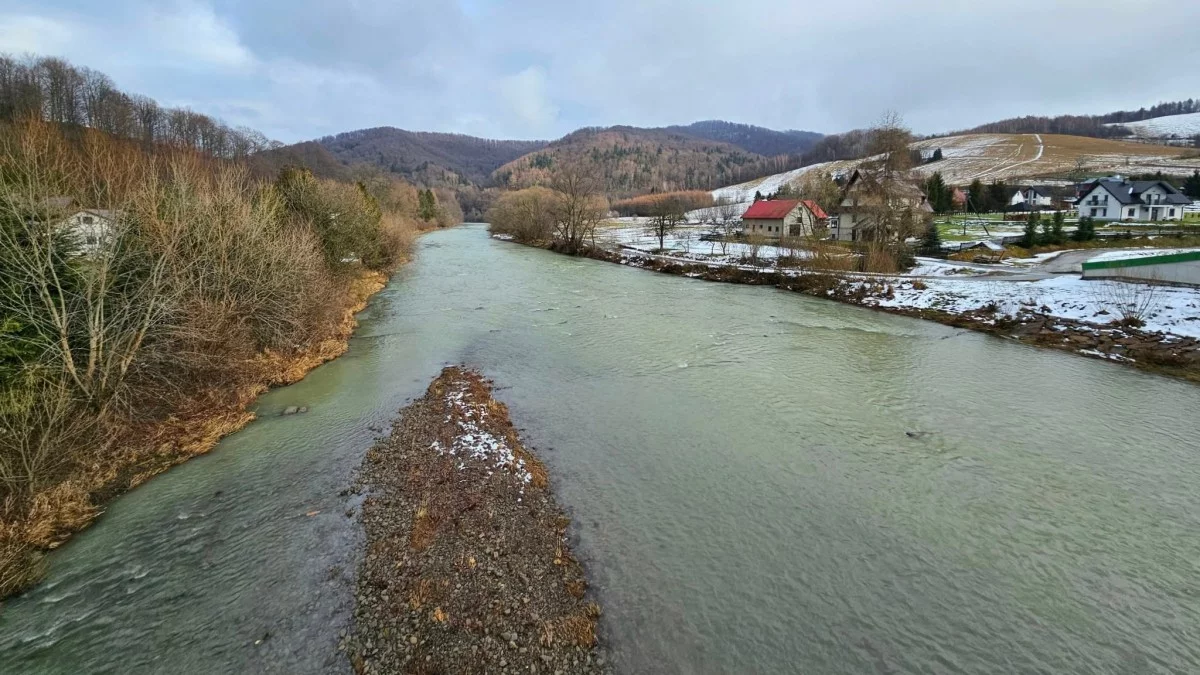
<point>736,460</point>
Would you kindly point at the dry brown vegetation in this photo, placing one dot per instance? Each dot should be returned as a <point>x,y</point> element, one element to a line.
<point>564,215</point>
<point>128,348</point>
<point>649,205</point>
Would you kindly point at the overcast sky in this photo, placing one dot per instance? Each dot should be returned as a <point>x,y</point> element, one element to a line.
<point>300,69</point>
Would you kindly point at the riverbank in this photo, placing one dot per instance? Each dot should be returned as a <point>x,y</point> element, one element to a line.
<point>468,568</point>
<point>149,449</point>
<point>1026,321</point>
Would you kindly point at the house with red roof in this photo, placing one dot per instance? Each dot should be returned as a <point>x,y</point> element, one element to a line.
<point>784,218</point>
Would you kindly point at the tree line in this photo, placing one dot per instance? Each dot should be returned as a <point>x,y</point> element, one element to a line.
<point>1084,125</point>
<point>53,90</point>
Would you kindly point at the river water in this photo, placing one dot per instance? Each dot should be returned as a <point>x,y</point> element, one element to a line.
<point>736,460</point>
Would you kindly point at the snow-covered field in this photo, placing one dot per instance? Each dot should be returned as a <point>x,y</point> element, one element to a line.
<point>683,243</point>
<point>744,193</point>
<point>1167,309</point>
<point>1171,126</point>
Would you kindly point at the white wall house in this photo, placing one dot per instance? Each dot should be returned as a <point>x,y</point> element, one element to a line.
<point>1033,198</point>
<point>92,229</point>
<point>1116,200</point>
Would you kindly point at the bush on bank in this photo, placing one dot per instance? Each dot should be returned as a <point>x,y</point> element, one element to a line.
<point>185,274</point>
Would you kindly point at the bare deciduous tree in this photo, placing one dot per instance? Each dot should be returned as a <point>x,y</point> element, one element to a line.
<point>579,205</point>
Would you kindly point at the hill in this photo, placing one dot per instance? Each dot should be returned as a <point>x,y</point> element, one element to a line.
<point>1009,157</point>
<point>310,154</point>
<point>758,140</point>
<point>1110,125</point>
<point>1183,127</point>
<point>427,158</point>
<point>635,161</point>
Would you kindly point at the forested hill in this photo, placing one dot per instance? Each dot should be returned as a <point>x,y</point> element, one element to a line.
<point>759,140</point>
<point>636,161</point>
<point>1084,125</point>
<point>310,154</point>
<point>426,157</point>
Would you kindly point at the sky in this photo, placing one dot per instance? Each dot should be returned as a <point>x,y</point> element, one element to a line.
<point>538,69</point>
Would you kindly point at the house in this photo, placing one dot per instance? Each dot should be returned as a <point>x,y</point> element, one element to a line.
<point>959,199</point>
<point>1032,198</point>
<point>784,217</point>
<point>1121,199</point>
<point>90,229</point>
<point>863,201</point>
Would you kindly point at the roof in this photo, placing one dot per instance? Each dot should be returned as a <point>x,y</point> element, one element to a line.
<point>1128,192</point>
<point>772,209</point>
<point>817,211</point>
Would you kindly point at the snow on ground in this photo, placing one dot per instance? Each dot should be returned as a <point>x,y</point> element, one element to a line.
<point>768,185</point>
<point>1168,309</point>
<point>474,441</point>
<point>683,243</point>
<point>1178,126</point>
<point>1128,254</point>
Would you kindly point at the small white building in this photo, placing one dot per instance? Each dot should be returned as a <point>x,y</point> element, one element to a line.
<point>1116,199</point>
<point>1033,198</point>
<point>784,218</point>
<point>92,229</point>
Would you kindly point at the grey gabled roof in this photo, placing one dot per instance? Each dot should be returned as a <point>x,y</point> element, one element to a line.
<point>1128,192</point>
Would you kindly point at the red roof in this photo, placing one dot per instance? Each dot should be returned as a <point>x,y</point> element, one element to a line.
<point>817,211</point>
<point>773,209</point>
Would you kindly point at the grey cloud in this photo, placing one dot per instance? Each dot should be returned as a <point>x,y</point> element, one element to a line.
<point>540,68</point>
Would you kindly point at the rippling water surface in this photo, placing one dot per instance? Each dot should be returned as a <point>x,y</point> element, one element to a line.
<point>737,463</point>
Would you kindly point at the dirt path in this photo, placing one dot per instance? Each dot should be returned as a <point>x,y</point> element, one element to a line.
<point>467,568</point>
<point>995,171</point>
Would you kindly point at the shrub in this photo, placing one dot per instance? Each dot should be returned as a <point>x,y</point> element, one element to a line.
<point>526,215</point>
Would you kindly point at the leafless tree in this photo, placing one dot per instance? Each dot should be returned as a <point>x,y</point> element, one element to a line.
<point>667,215</point>
<point>579,205</point>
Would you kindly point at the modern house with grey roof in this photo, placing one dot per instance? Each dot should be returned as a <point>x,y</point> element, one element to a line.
<point>1118,199</point>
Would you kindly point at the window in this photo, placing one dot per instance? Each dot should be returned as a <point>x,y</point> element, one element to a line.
<point>1171,213</point>
<point>88,220</point>
<point>1132,212</point>
<point>1095,212</point>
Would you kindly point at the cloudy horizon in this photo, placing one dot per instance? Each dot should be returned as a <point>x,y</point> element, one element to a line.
<point>533,69</point>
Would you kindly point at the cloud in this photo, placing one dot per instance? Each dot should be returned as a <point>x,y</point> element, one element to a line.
<point>33,34</point>
<point>540,68</point>
<point>528,99</point>
<point>193,33</point>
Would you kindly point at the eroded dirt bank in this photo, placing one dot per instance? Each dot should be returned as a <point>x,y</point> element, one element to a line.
<point>467,568</point>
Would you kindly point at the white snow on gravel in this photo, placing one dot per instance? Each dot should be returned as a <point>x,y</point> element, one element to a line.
<point>473,441</point>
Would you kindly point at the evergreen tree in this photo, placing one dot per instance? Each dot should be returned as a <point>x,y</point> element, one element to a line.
<point>937,155</point>
<point>998,196</point>
<point>1031,230</point>
<point>427,205</point>
<point>1057,236</point>
<point>758,196</point>
<point>931,243</point>
<point>1191,187</point>
<point>976,199</point>
<point>940,196</point>
<point>1086,231</point>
